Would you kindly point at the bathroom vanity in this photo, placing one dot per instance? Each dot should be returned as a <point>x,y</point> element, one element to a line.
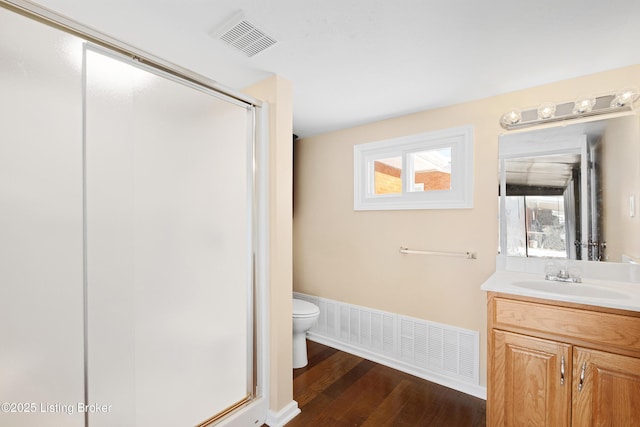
<point>562,354</point>
<point>567,354</point>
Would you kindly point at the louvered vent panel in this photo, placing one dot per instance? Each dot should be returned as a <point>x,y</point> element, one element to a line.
<point>467,357</point>
<point>365,328</point>
<point>450,351</point>
<point>406,328</point>
<point>426,346</point>
<point>247,38</point>
<point>354,325</point>
<point>388,341</point>
<point>376,331</point>
<point>322,318</point>
<point>331,319</point>
<point>420,344</point>
<point>406,340</point>
<point>344,322</point>
<point>434,357</point>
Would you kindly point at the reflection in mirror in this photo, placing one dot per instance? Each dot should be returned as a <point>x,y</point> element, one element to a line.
<point>536,226</point>
<point>570,191</point>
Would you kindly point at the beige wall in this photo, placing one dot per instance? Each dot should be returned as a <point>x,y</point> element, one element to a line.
<point>620,180</point>
<point>353,256</point>
<point>277,93</point>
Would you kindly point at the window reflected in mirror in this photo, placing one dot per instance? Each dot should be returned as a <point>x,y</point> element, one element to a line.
<point>536,226</point>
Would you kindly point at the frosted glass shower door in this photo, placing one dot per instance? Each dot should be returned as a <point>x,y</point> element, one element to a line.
<point>168,229</point>
<point>41,348</point>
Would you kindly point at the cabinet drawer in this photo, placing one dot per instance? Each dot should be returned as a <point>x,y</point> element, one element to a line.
<point>570,324</point>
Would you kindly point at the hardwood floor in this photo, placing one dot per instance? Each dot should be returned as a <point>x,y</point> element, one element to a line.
<point>339,389</point>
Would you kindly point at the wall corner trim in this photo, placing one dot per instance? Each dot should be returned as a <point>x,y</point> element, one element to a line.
<point>283,416</point>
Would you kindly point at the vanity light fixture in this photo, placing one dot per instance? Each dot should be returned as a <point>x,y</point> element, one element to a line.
<point>582,107</point>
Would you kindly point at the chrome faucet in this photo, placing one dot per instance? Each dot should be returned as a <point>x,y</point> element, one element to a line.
<point>556,274</point>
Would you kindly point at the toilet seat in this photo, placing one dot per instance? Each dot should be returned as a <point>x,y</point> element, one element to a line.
<point>304,309</point>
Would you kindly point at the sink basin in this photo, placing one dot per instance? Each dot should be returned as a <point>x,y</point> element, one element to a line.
<point>571,289</point>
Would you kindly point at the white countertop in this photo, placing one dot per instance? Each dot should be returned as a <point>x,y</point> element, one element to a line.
<point>605,293</point>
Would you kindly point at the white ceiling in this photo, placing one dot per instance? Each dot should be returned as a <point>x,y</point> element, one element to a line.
<point>357,61</point>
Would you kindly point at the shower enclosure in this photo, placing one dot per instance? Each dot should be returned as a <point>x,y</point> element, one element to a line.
<point>127,238</point>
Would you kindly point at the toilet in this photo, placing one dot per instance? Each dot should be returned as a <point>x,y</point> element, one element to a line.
<point>305,317</point>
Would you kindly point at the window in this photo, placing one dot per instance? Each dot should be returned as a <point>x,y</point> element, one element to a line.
<point>425,171</point>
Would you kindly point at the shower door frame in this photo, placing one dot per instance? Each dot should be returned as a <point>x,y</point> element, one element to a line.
<point>255,405</point>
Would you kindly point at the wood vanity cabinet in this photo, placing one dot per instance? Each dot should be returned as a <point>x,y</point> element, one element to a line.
<point>561,364</point>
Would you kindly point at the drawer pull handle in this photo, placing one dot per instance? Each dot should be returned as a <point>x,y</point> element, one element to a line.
<point>562,371</point>
<point>581,383</point>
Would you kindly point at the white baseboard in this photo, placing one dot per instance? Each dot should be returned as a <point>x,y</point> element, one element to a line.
<point>283,416</point>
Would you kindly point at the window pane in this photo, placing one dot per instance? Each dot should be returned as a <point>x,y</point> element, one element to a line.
<point>388,175</point>
<point>431,170</point>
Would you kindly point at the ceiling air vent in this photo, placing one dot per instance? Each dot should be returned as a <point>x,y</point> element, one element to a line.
<point>244,36</point>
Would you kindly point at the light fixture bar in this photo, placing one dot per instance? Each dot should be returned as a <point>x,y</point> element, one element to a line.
<point>584,107</point>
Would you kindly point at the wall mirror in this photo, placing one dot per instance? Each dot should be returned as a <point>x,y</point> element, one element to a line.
<point>571,191</point>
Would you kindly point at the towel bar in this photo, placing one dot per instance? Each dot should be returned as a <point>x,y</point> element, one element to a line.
<point>468,255</point>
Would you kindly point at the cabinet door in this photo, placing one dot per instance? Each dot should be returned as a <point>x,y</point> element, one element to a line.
<point>606,389</point>
<point>531,380</point>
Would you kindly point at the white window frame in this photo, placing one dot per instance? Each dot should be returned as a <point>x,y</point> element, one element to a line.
<point>460,196</point>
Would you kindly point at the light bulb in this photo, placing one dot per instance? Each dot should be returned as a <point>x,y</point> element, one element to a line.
<point>584,105</point>
<point>624,97</point>
<point>546,110</point>
<point>511,118</point>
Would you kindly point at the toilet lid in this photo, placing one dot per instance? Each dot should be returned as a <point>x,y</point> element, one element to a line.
<point>304,308</point>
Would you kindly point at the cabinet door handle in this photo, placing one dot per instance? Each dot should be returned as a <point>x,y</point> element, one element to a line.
<point>581,383</point>
<point>562,371</point>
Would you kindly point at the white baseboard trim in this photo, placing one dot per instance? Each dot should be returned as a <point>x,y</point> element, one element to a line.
<point>471,389</point>
<point>283,416</point>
